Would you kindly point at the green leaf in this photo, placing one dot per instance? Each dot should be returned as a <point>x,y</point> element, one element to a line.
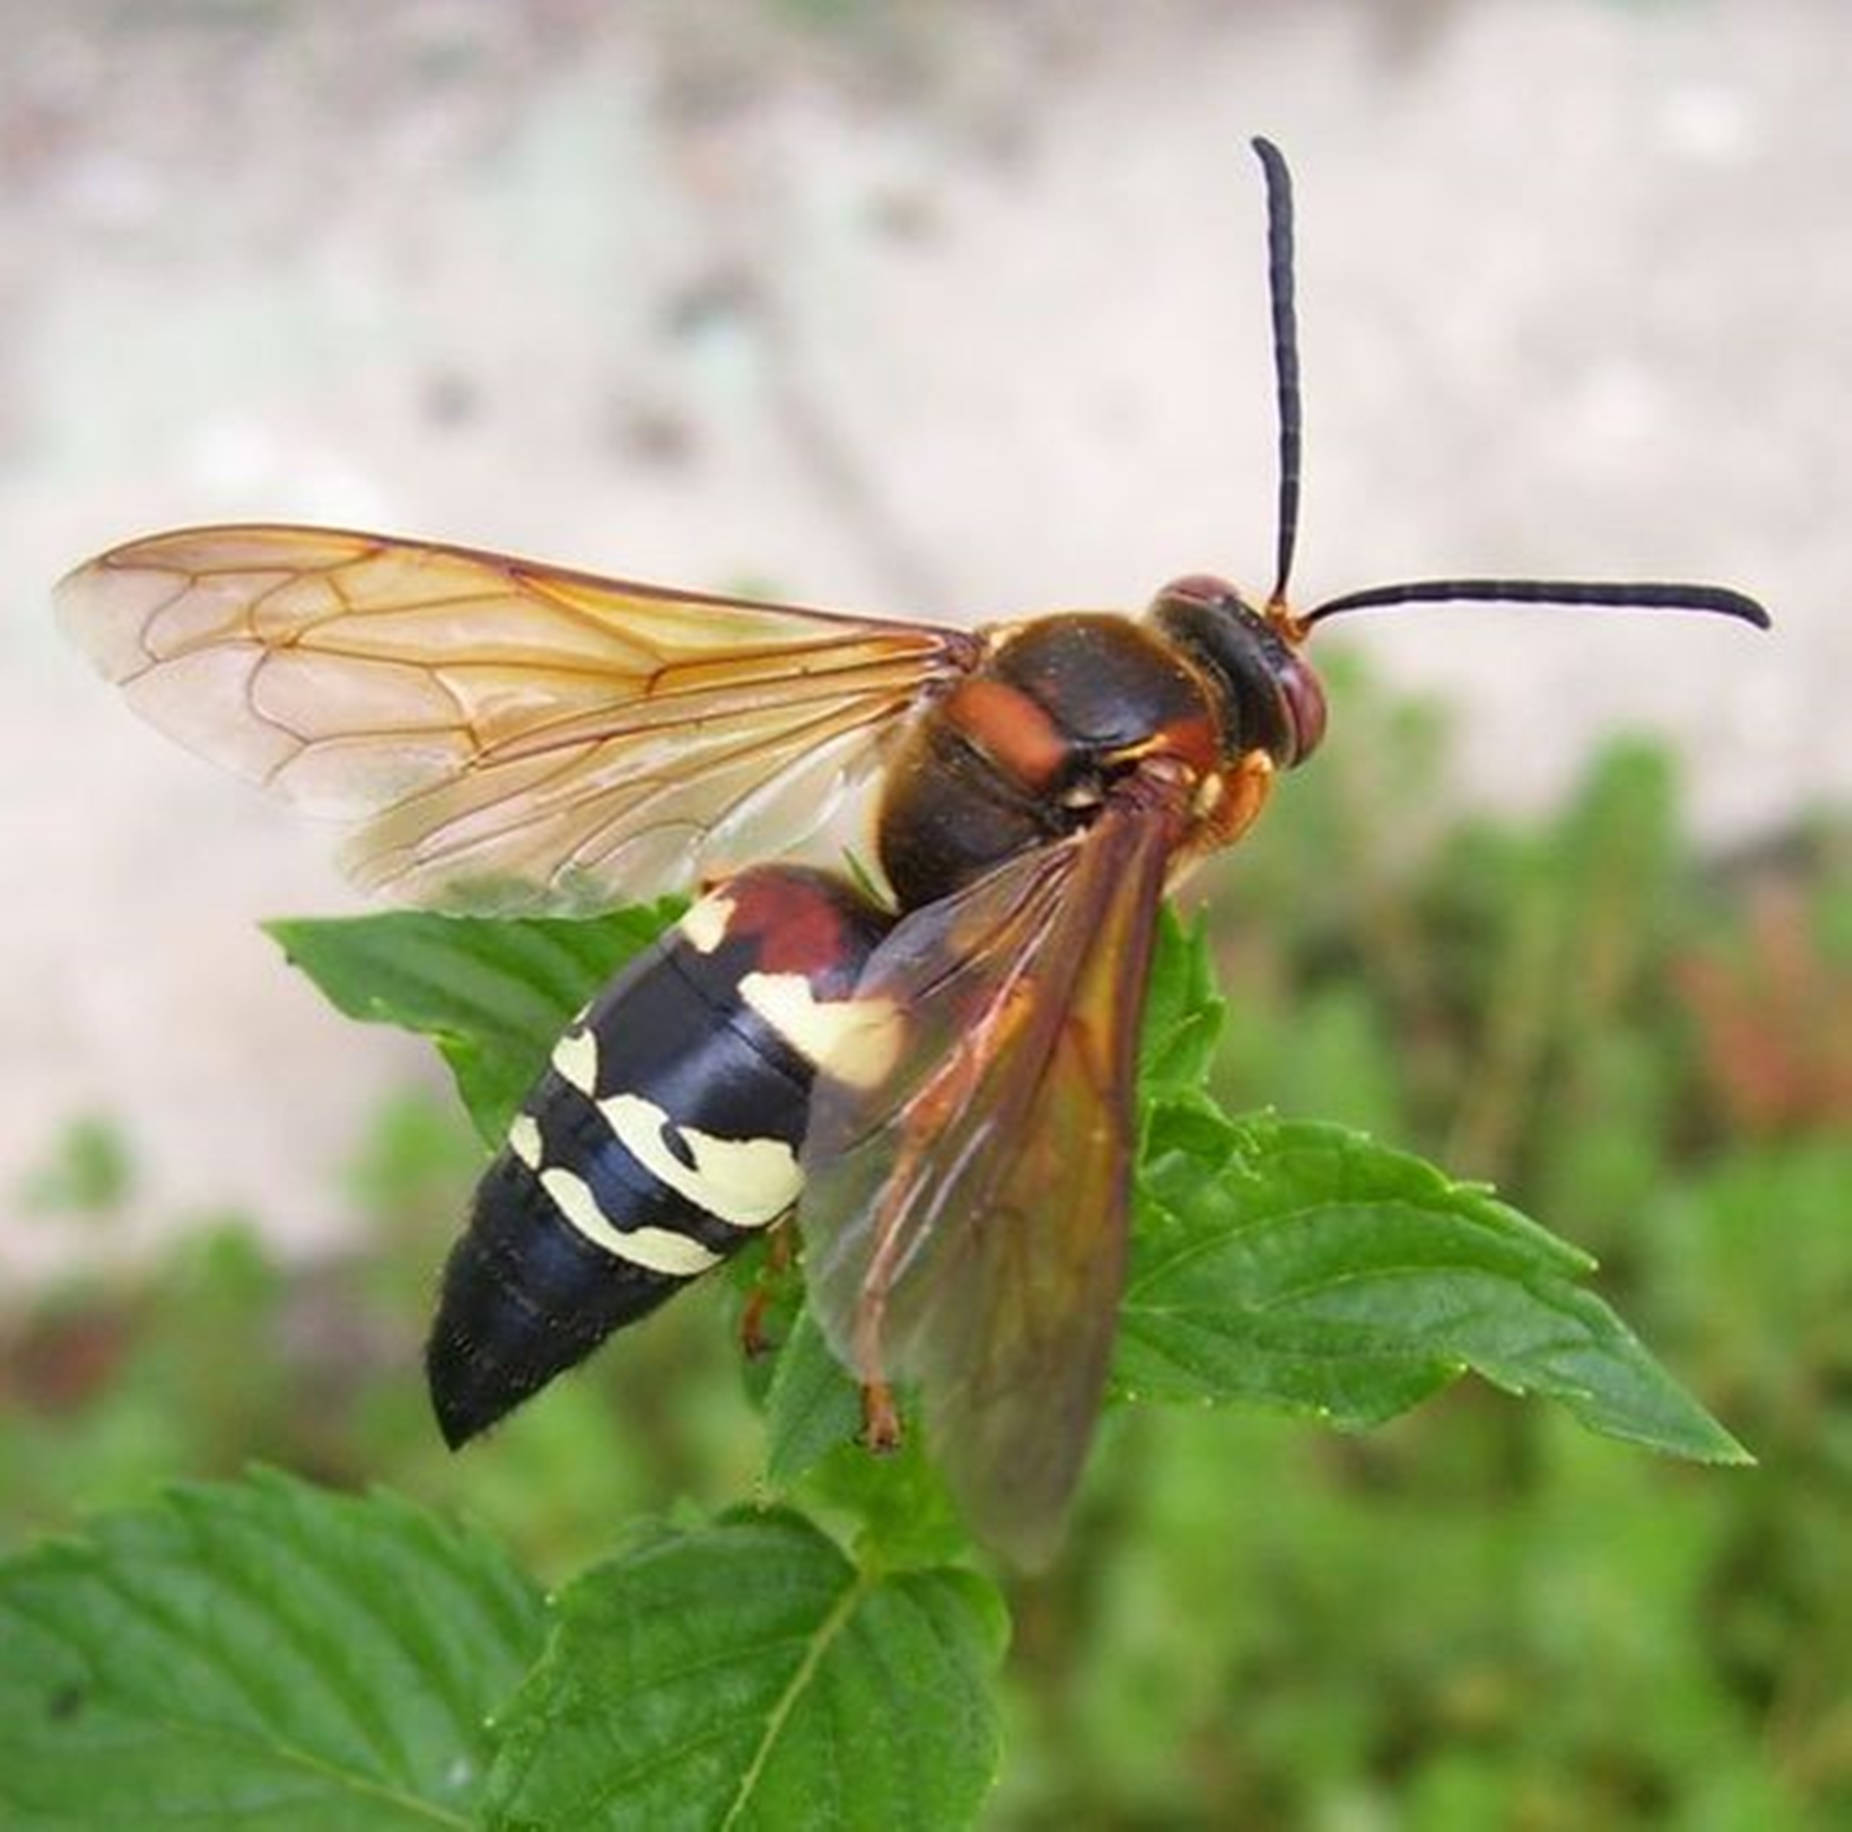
<point>747,1675</point>
<point>494,994</point>
<point>1183,1010</point>
<point>257,1653</point>
<point>903,1513</point>
<point>1308,1266</point>
<point>812,1406</point>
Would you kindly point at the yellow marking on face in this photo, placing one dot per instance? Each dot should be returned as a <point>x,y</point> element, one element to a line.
<point>853,1040</point>
<point>704,928</point>
<point>575,1056</point>
<point>524,1140</point>
<point>654,1249</point>
<point>748,1182</point>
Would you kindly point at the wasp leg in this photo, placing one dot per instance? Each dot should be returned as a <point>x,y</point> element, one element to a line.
<point>1245,789</point>
<point>778,1256</point>
<point>880,1418</point>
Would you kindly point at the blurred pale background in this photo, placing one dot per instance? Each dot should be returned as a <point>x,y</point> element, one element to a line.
<point>937,308</point>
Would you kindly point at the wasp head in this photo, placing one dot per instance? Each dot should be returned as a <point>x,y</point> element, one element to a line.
<point>1272,700</point>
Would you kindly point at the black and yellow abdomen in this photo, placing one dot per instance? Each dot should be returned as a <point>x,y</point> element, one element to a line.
<point>662,1137</point>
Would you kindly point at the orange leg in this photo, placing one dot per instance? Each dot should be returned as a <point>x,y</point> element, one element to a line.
<point>1245,789</point>
<point>880,1418</point>
<point>778,1255</point>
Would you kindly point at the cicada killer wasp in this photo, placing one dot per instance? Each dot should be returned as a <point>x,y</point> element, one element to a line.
<point>936,1081</point>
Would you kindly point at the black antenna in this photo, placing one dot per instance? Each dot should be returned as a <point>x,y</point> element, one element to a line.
<point>1285,357</point>
<point>1623,594</point>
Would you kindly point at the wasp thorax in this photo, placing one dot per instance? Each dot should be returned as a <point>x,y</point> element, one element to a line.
<point>1273,700</point>
<point>1031,746</point>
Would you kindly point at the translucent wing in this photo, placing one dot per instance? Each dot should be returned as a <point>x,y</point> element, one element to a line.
<point>511,734</point>
<point>965,1218</point>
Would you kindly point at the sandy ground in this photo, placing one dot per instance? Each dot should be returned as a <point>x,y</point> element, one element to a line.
<point>937,308</point>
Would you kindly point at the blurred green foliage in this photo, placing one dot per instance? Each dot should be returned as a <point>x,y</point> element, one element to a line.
<point>1479,1616</point>
<point>88,1171</point>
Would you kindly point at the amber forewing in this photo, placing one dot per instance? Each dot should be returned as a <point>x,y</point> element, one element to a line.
<point>965,1221</point>
<point>513,735</point>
